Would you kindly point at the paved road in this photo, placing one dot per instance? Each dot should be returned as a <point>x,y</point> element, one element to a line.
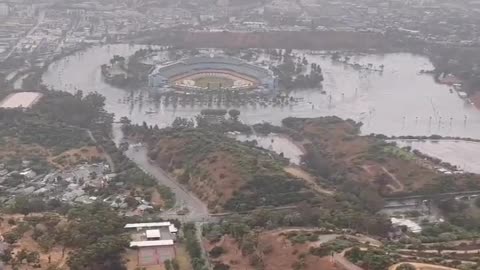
<point>198,211</point>
<point>107,155</point>
<point>436,195</point>
<point>41,16</point>
<point>343,263</point>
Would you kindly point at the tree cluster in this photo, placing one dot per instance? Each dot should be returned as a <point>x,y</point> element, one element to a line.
<point>193,247</point>
<point>371,259</point>
<point>292,74</point>
<point>95,232</point>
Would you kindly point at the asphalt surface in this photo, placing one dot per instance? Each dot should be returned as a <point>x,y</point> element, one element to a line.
<point>197,210</point>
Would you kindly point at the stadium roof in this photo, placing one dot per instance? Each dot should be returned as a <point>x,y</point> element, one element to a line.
<point>199,63</point>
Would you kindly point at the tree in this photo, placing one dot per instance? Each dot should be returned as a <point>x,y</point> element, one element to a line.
<point>103,254</point>
<point>168,265</point>
<point>131,201</point>
<point>447,237</point>
<point>216,252</point>
<point>182,123</point>
<point>221,266</point>
<point>11,237</point>
<point>125,121</point>
<point>234,114</point>
<point>175,264</point>
<point>22,206</point>
<point>21,256</point>
<point>6,256</point>
<point>215,112</point>
<point>477,202</point>
<point>95,233</point>
<point>46,242</point>
<point>335,56</point>
<point>406,266</point>
<point>33,257</point>
<point>117,59</point>
<point>193,246</point>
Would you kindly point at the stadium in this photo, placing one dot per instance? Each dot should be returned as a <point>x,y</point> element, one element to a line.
<point>203,73</point>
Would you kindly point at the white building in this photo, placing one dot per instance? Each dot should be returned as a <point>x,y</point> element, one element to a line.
<point>155,242</point>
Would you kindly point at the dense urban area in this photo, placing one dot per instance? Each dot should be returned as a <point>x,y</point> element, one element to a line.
<point>240,134</point>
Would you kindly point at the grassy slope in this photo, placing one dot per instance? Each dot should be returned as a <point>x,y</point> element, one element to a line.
<point>336,148</point>
<point>226,173</point>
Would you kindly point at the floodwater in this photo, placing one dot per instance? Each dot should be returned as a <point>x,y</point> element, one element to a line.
<point>19,82</point>
<point>463,154</point>
<point>398,101</point>
<point>276,143</point>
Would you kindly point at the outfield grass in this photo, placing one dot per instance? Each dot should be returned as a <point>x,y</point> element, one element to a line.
<point>214,82</point>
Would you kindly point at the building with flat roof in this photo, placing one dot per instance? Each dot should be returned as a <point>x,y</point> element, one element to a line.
<point>154,241</point>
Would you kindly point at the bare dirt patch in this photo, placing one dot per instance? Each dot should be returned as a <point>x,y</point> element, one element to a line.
<point>73,157</point>
<point>423,266</point>
<point>157,199</point>
<point>337,144</point>
<point>27,242</point>
<point>12,149</point>
<point>278,253</point>
<point>183,259</point>
<point>298,172</point>
<point>214,175</point>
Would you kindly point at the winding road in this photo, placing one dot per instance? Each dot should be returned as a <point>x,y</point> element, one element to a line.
<point>198,211</point>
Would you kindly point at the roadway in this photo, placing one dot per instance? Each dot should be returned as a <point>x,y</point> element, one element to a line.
<point>197,210</point>
<point>41,16</point>
<point>434,196</point>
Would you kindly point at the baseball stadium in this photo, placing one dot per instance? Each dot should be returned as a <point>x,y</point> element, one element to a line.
<point>203,73</point>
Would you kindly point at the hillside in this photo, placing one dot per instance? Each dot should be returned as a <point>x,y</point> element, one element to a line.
<point>336,151</point>
<point>273,250</point>
<point>227,174</point>
<point>233,176</point>
<point>46,137</point>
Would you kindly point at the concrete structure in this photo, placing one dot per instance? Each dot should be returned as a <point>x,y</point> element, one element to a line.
<point>410,224</point>
<point>20,100</point>
<point>155,242</point>
<point>183,74</point>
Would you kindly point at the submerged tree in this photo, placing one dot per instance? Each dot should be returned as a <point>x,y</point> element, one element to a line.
<point>234,114</point>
